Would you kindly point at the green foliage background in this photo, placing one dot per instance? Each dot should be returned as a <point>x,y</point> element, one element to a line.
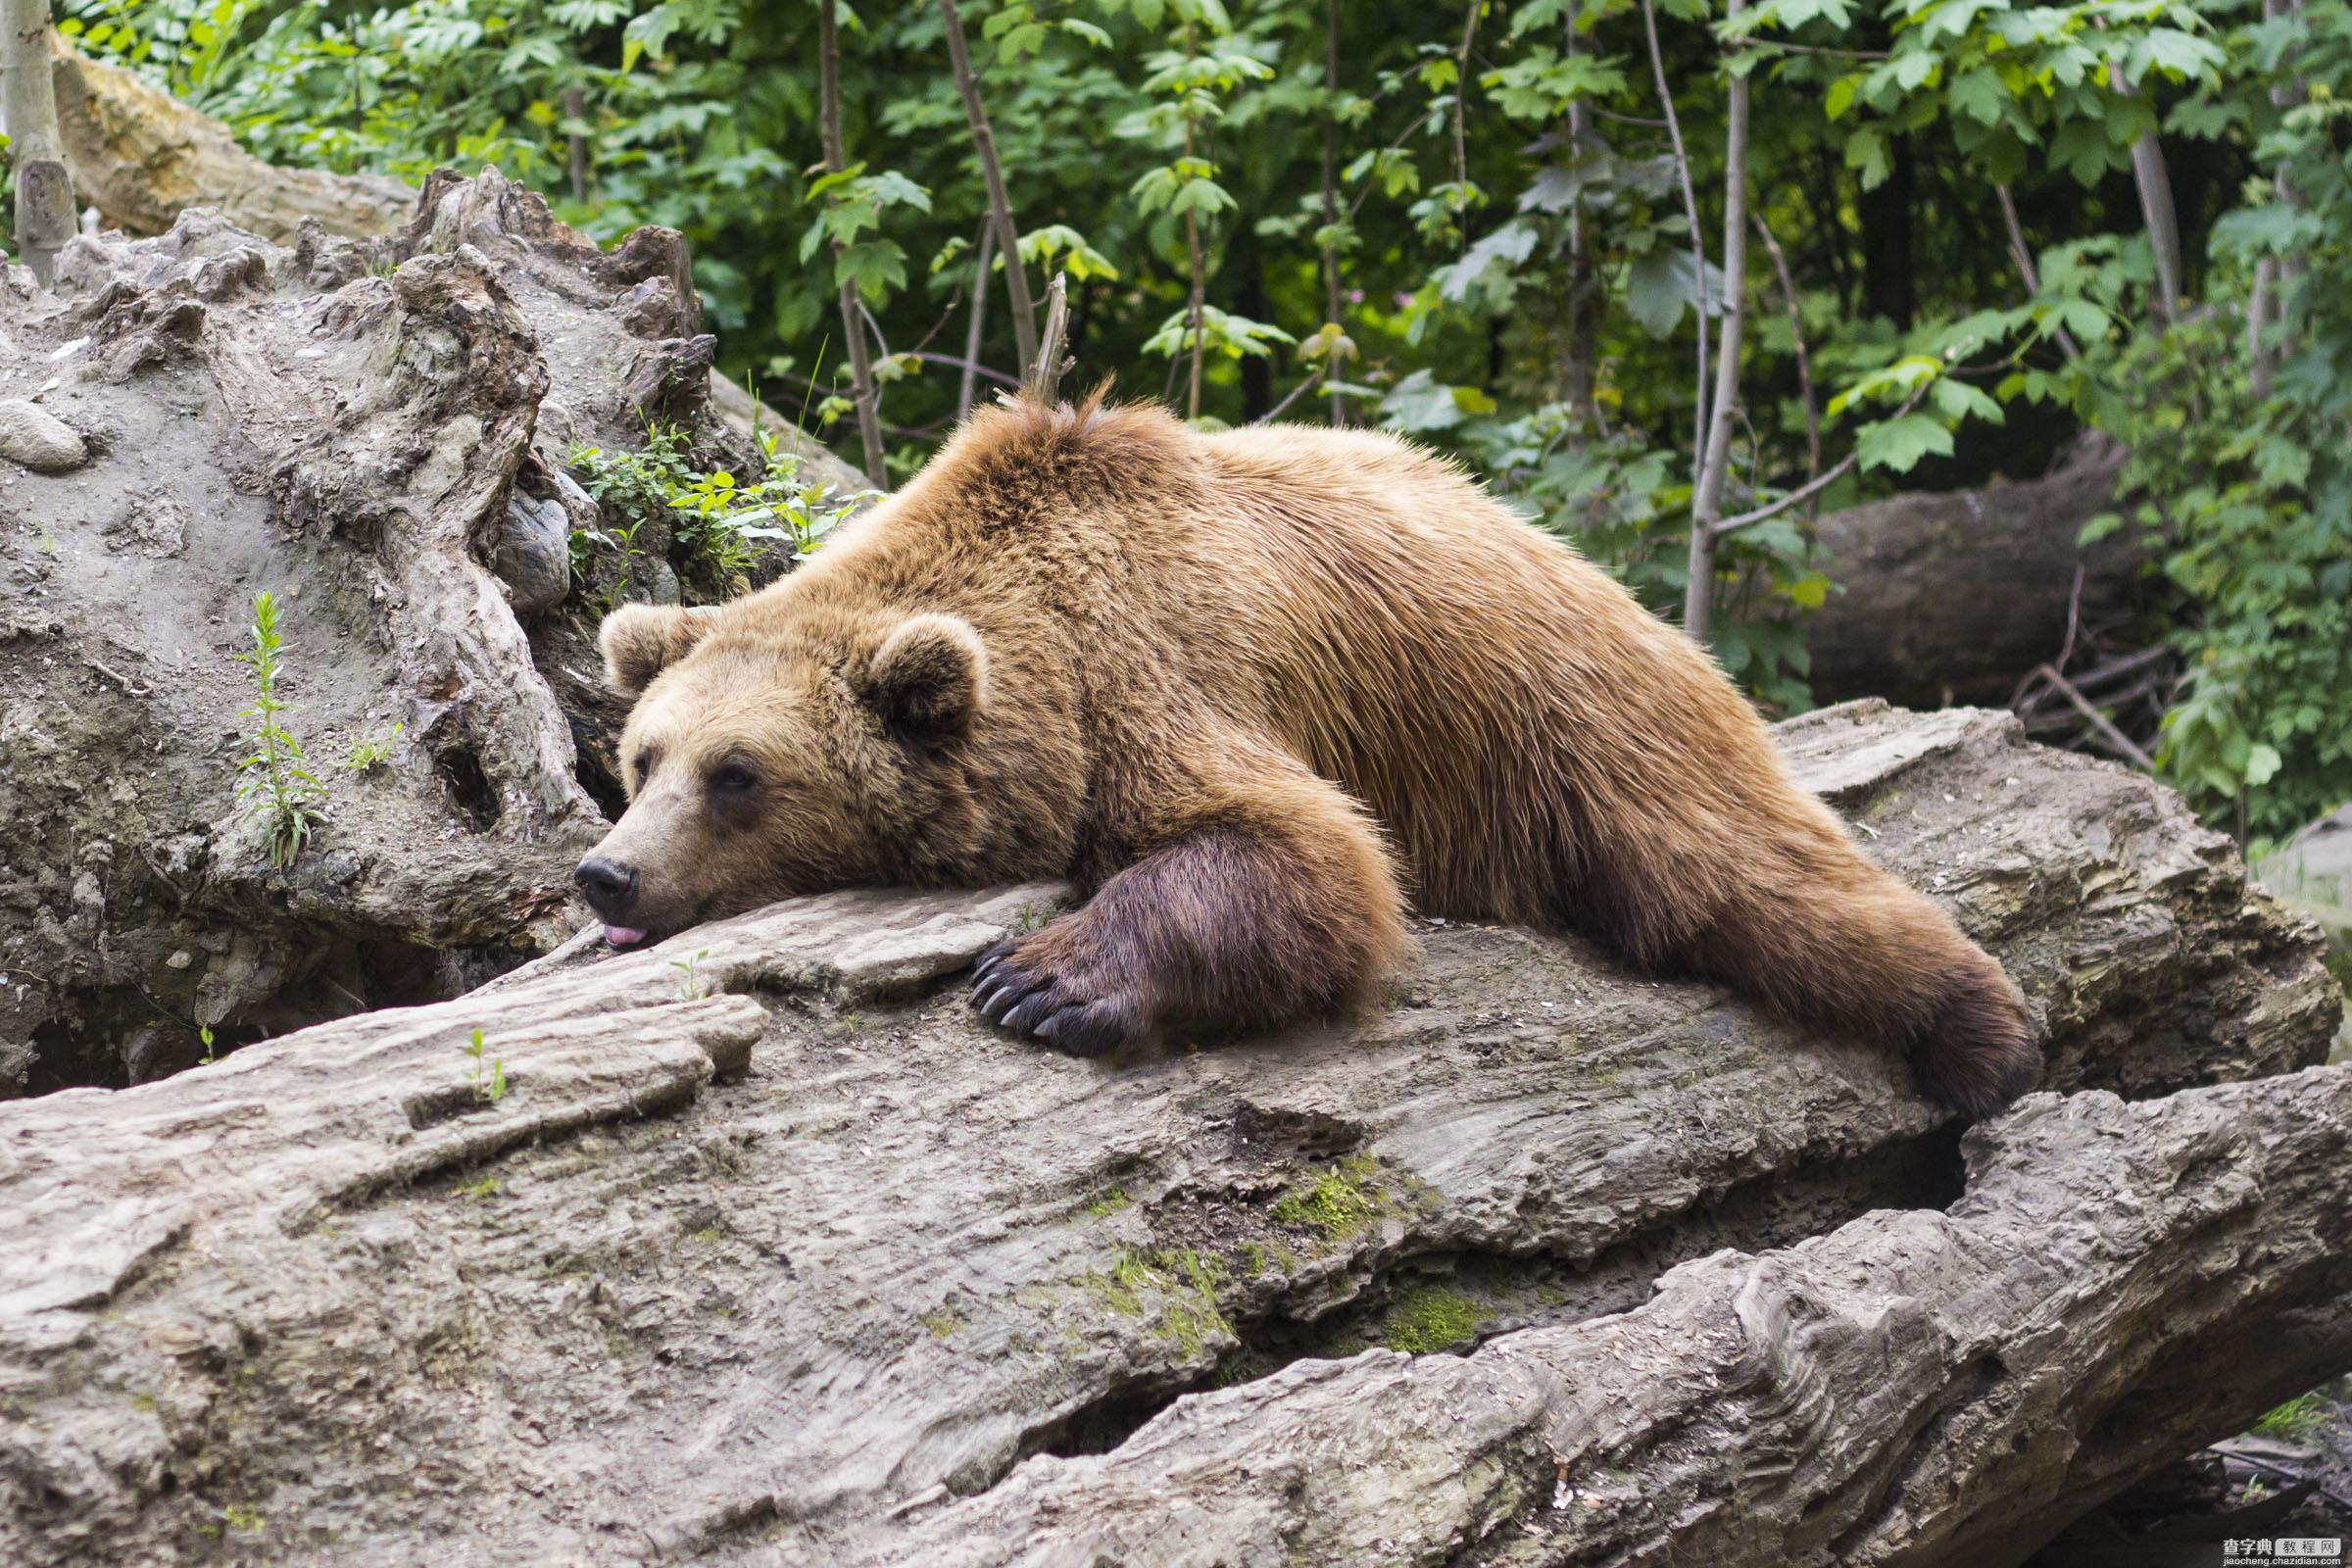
<point>1490,194</point>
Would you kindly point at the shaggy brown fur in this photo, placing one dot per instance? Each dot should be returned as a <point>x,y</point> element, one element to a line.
<point>1246,688</point>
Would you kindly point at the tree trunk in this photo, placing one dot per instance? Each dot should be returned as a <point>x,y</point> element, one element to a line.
<point>2155,185</point>
<point>769,1252</point>
<point>975,328</point>
<point>1331,197</point>
<point>1699,244</point>
<point>1715,462</point>
<point>1196,260</point>
<point>575,110</point>
<point>44,215</point>
<point>862,391</point>
<point>999,204</point>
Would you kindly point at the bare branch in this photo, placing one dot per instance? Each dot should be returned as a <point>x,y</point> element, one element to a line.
<point>1314,379</point>
<point>1804,359</point>
<point>862,363</point>
<point>2022,258</point>
<point>979,323</point>
<point>1044,380</point>
<point>2116,739</point>
<point>972,369</point>
<point>1699,244</point>
<point>1715,462</point>
<point>1000,206</point>
<point>1807,491</point>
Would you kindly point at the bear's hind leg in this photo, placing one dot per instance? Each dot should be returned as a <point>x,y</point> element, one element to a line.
<point>1265,899</point>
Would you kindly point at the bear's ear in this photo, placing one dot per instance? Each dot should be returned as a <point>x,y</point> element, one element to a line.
<point>928,678</point>
<point>641,640</point>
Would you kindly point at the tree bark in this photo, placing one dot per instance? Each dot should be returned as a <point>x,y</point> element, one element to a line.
<point>1936,1389</point>
<point>1196,262</point>
<point>1330,192</point>
<point>999,204</point>
<point>769,1252</point>
<point>44,213</point>
<point>862,390</point>
<point>1715,460</point>
<point>975,329</point>
<point>142,157</point>
<point>2155,185</point>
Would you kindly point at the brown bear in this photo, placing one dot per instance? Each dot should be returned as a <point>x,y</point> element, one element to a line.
<point>1252,691</point>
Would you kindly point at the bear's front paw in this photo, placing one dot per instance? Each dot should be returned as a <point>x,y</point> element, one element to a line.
<point>1029,989</point>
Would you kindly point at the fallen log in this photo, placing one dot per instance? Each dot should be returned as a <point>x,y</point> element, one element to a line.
<point>756,1247</point>
<point>141,157</point>
<point>1948,597</point>
<point>1917,1386</point>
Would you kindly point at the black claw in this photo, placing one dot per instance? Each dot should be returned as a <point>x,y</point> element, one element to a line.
<point>1000,1000</point>
<point>1083,1029</point>
<point>1024,1017</point>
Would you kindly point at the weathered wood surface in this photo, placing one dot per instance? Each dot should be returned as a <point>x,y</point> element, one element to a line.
<point>771,1252</point>
<point>2118,1282</point>
<point>141,157</point>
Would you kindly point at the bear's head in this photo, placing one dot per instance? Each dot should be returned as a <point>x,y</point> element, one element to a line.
<point>779,758</point>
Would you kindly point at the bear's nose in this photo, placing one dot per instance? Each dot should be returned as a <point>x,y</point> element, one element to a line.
<point>610,887</point>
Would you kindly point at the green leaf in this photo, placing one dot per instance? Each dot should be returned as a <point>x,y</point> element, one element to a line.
<point>1899,444</point>
<point>1959,401</point>
<point>2098,528</point>
<point>1867,152</point>
<point>1420,403</point>
<point>1979,94</point>
<point>1657,286</point>
<point>1809,592</point>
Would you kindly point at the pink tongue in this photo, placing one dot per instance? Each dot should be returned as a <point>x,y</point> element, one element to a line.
<point>621,936</point>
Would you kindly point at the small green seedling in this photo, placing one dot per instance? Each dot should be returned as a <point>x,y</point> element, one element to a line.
<point>692,987</point>
<point>280,789</point>
<point>489,1073</point>
<point>204,1033</point>
<point>375,752</point>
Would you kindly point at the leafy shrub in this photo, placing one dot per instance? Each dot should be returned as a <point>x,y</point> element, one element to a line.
<point>723,529</point>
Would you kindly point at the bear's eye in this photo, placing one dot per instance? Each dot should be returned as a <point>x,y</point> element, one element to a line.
<point>732,778</point>
<point>645,766</point>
